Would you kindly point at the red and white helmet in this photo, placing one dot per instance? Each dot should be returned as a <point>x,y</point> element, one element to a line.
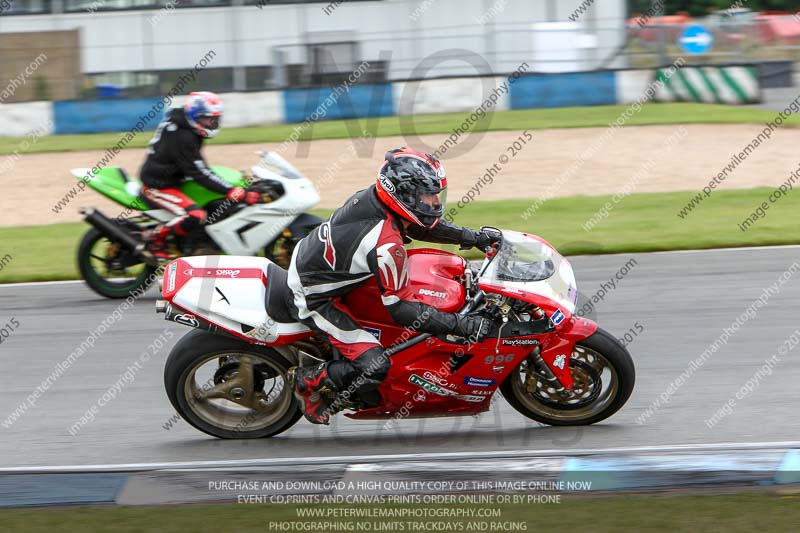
<point>203,113</point>
<point>413,184</point>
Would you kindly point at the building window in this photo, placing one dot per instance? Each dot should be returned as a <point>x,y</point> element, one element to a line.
<point>74,6</point>
<point>34,7</point>
<point>199,3</point>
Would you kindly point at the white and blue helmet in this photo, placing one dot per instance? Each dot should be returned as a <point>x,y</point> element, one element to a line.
<point>204,113</point>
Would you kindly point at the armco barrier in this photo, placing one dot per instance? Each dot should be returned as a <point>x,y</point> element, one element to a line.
<point>710,85</point>
<point>252,109</point>
<point>324,103</point>
<point>18,120</point>
<point>448,95</point>
<point>729,85</point>
<point>632,84</point>
<point>95,116</point>
<point>564,90</point>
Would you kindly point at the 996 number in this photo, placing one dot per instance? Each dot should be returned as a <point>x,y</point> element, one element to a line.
<point>497,359</point>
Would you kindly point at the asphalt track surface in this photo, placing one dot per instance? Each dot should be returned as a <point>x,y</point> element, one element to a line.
<point>682,301</point>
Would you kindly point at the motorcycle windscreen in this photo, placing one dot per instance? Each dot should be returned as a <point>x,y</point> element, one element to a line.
<point>526,263</point>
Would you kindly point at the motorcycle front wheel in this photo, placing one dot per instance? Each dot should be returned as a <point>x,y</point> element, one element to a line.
<point>280,250</point>
<point>228,388</point>
<point>603,374</point>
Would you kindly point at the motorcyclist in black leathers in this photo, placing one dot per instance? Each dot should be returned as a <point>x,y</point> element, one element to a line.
<point>364,239</point>
<point>174,154</point>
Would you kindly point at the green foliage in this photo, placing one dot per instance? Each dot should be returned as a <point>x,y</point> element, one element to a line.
<point>521,119</point>
<point>643,222</point>
<point>673,512</point>
<point>700,8</point>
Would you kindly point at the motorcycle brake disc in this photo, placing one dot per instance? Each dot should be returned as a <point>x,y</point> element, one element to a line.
<point>587,379</point>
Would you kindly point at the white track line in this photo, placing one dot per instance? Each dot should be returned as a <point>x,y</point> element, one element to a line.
<point>37,283</point>
<point>399,458</point>
<point>704,250</point>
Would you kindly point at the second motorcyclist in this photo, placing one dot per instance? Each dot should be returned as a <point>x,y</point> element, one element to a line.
<point>175,154</point>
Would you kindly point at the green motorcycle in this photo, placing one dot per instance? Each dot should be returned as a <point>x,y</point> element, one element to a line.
<point>115,262</point>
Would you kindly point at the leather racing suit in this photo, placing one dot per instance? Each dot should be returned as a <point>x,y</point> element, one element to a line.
<point>362,240</point>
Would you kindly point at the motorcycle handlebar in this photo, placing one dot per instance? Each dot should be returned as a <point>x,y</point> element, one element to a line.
<point>470,306</point>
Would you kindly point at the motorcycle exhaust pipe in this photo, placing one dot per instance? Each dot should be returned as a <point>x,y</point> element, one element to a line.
<point>111,229</point>
<point>187,319</point>
<point>180,317</point>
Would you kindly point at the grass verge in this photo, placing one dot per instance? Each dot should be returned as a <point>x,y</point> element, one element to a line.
<point>638,223</point>
<point>729,513</point>
<point>530,119</point>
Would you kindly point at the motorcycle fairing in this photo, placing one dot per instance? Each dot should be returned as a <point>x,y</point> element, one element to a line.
<point>116,184</point>
<point>251,228</point>
<point>434,279</point>
<point>528,268</point>
<point>228,292</point>
<point>421,381</point>
<point>557,348</point>
<point>245,232</point>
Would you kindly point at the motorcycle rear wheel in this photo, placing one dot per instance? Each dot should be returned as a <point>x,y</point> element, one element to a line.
<point>604,377</point>
<point>96,251</point>
<point>247,398</point>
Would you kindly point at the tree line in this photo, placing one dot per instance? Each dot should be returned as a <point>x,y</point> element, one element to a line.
<point>699,8</point>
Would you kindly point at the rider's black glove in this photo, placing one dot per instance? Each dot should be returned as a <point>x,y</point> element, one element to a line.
<point>482,240</point>
<point>485,240</point>
<point>474,328</point>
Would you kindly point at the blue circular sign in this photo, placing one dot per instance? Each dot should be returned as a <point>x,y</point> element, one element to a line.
<point>696,39</point>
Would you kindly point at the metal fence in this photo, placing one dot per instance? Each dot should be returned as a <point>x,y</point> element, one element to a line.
<point>747,38</point>
<point>465,50</point>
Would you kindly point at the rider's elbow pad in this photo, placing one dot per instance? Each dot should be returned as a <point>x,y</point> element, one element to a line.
<point>421,317</point>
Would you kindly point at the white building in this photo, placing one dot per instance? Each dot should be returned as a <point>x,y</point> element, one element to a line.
<point>143,42</point>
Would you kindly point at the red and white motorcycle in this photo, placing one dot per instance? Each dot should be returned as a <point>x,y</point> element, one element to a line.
<point>228,376</point>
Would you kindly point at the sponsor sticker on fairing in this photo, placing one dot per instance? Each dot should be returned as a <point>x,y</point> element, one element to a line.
<point>375,332</point>
<point>187,320</point>
<point>435,294</point>
<point>173,269</point>
<point>479,382</point>
<point>430,387</point>
<point>557,318</point>
<point>520,342</point>
<point>560,361</point>
<point>473,399</point>
<point>435,378</point>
